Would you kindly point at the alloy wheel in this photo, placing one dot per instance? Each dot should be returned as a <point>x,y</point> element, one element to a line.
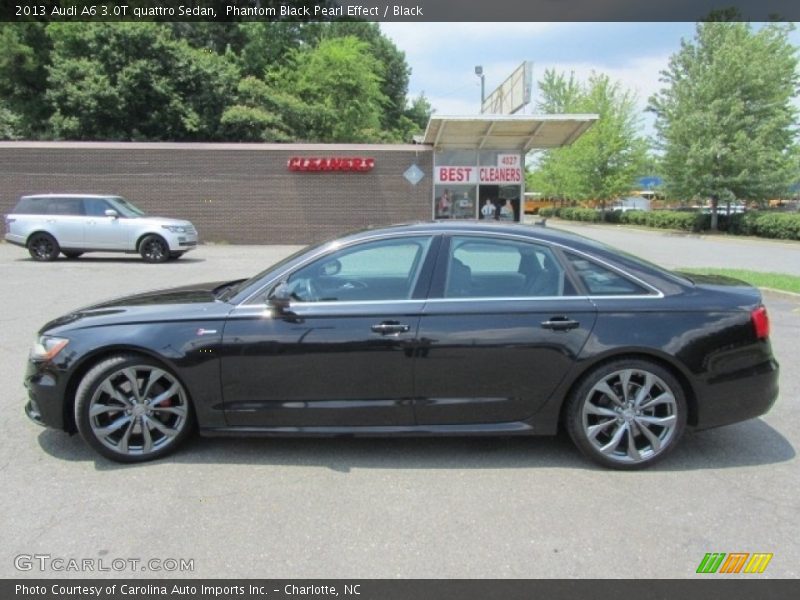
<point>138,410</point>
<point>630,416</point>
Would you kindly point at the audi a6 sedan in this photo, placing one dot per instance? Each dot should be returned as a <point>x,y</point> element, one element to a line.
<point>426,329</point>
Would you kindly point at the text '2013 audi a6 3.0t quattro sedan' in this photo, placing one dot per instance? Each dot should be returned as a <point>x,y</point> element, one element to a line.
<point>425,329</point>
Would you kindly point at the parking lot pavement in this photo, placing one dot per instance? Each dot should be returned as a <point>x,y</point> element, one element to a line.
<point>675,249</point>
<point>295,508</point>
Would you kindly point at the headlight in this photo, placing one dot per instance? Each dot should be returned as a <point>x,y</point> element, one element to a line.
<point>47,347</point>
<point>174,228</point>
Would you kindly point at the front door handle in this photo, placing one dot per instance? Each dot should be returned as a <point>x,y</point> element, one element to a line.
<point>560,324</point>
<point>389,327</point>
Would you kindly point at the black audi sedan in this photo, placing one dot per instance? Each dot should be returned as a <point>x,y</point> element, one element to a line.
<point>438,328</point>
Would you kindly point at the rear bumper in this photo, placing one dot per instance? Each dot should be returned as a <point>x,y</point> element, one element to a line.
<point>743,395</point>
<point>17,240</point>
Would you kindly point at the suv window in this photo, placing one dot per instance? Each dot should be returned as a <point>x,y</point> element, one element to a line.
<point>482,268</point>
<point>31,206</point>
<point>378,270</point>
<point>95,207</point>
<point>64,206</point>
<point>601,281</point>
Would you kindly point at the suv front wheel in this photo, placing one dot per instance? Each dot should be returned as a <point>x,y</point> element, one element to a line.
<point>154,249</point>
<point>43,246</point>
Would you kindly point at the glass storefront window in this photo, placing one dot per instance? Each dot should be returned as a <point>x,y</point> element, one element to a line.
<point>455,202</point>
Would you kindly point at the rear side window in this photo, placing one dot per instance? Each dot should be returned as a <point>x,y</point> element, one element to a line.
<point>602,281</point>
<point>31,206</point>
<point>49,206</point>
<point>64,206</point>
<point>480,267</point>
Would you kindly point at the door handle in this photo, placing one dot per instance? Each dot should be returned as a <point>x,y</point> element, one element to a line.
<point>389,327</point>
<point>560,324</point>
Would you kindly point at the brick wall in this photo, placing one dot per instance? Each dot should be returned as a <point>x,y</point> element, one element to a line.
<point>233,193</point>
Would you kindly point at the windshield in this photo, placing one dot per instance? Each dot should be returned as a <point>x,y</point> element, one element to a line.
<point>126,208</point>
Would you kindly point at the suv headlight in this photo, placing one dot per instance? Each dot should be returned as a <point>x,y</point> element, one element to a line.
<point>47,347</point>
<point>175,228</point>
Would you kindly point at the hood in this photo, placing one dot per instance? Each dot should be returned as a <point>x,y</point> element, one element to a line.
<point>188,302</point>
<point>167,221</point>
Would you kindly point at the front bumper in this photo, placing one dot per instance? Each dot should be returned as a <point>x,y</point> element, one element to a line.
<point>46,387</point>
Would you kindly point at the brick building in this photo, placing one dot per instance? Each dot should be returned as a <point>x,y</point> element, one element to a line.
<point>270,193</point>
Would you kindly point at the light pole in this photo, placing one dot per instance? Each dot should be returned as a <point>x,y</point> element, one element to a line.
<point>479,73</point>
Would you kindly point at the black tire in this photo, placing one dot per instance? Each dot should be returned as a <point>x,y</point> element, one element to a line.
<point>154,249</point>
<point>43,247</point>
<point>627,414</point>
<point>71,255</point>
<point>175,255</point>
<point>126,424</point>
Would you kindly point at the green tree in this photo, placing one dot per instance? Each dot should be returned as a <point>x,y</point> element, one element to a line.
<point>725,118</point>
<point>23,78</point>
<point>604,162</point>
<point>127,81</point>
<point>340,79</point>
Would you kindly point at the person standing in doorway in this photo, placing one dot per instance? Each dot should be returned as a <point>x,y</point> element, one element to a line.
<point>488,210</point>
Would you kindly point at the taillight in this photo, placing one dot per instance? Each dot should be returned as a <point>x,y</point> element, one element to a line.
<point>760,320</point>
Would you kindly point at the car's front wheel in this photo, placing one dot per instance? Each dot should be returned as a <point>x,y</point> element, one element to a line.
<point>131,409</point>
<point>154,249</point>
<point>43,246</point>
<point>627,414</point>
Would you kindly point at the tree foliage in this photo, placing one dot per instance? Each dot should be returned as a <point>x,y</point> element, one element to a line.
<point>250,81</point>
<point>604,162</point>
<point>725,116</point>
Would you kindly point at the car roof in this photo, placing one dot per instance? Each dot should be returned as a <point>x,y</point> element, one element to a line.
<point>43,196</point>
<point>535,232</point>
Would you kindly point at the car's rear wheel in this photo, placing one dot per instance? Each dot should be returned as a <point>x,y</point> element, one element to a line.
<point>154,249</point>
<point>71,255</point>
<point>131,409</point>
<point>43,246</point>
<point>627,414</point>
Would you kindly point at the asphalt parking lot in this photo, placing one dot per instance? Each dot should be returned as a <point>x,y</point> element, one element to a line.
<point>372,508</point>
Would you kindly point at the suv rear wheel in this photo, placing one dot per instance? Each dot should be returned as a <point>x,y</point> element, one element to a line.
<point>43,246</point>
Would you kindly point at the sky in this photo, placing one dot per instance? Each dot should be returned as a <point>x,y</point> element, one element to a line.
<point>443,56</point>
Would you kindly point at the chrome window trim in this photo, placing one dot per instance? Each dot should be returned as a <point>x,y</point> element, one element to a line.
<point>655,295</point>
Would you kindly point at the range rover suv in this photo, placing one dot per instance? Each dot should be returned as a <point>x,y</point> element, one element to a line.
<point>72,224</point>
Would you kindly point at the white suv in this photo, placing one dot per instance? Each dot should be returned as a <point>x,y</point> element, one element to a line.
<point>76,223</point>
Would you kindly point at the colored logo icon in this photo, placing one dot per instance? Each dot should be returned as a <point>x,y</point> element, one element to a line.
<point>735,562</point>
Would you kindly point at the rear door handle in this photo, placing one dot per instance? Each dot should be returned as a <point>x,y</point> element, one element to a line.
<point>389,327</point>
<point>560,324</point>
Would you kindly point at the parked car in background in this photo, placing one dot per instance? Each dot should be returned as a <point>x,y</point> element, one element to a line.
<point>443,328</point>
<point>72,224</point>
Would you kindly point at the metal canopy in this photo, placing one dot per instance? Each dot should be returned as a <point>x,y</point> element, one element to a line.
<point>506,132</point>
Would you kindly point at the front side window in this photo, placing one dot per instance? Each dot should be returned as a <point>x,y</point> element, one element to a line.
<point>602,281</point>
<point>381,270</point>
<point>499,268</point>
<point>95,207</point>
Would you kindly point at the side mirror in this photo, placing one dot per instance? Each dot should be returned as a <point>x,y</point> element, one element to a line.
<point>110,212</point>
<point>280,298</point>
